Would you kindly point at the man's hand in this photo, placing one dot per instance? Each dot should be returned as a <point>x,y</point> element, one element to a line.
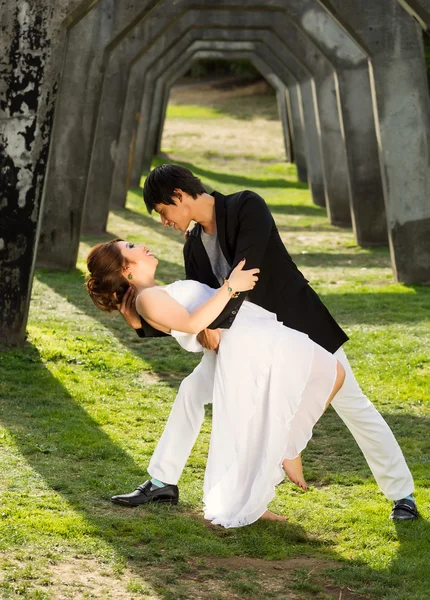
<point>209,339</point>
<point>128,309</point>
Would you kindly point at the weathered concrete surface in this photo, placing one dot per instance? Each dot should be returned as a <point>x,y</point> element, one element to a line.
<point>72,134</point>
<point>74,124</point>
<point>419,10</point>
<point>284,118</point>
<point>175,69</point>
<point>32,37</point>
<point>272,80</point>
<point>295,68</point>
<point>135,38</point>
<point>352,85</point>
<point>293,125</point>
<point>294,102</point>
<point>402,104</point>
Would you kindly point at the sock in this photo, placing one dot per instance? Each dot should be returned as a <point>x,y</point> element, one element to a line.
<point>410,497</point>
<point>157,483</point>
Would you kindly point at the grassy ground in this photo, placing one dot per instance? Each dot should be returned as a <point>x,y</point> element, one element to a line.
<point>84,402</point>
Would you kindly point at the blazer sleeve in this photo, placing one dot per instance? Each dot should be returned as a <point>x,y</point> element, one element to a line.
<point>255,224</point>
<point>146,330</point>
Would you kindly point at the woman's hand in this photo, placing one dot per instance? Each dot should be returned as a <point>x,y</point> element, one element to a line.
<point>128,309</point>
<point>242,281</point>
<point>209,339</point>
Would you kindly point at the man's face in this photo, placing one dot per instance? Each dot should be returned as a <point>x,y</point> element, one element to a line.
<point>176,215</point>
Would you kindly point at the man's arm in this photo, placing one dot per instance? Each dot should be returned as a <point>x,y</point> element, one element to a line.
<point>255,226</point>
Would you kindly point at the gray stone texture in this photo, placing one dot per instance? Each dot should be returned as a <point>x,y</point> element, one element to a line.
<point>72,135</point>
<point>402,104</point>
<point>284,118</point>
<point>197,50</point>
<point>32,38</point>
<point>419,10</point>
<point>294,65</point>
<point>357,120</point>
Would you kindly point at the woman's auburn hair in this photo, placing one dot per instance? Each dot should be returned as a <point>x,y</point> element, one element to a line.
<point>105,281</point>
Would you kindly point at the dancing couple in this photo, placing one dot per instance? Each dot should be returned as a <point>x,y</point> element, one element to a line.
<point>272,361</point>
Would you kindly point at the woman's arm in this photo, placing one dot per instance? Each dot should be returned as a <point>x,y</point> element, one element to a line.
<point>162,310</point>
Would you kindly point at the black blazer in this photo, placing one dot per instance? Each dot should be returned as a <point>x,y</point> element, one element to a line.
<point>246,229</point>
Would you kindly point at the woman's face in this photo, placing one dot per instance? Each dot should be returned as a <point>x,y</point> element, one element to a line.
<point>141,262</point>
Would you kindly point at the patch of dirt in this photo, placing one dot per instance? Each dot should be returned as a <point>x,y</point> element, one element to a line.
<point>211,91</point>
<point>201,579</point>
<point>83,578</point>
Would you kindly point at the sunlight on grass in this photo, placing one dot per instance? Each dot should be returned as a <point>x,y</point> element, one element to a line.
<point>84,402</point>
<point>191,111</point>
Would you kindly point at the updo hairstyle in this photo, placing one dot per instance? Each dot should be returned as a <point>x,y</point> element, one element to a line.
<point>105,282</point>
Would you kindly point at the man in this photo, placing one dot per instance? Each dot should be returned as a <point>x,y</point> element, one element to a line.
<point>228,229</point>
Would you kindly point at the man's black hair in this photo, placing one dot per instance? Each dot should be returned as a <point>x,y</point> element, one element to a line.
<point>161,182</point>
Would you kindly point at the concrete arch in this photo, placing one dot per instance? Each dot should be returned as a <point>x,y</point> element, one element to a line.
<point>401,102</point>
<point>263,35</point>
<point>109,132</point>
<point>31,43</point>
<point>402,115</point>
<point>195,51</point>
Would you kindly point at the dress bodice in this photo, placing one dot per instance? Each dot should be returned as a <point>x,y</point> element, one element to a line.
<point>191,294</point>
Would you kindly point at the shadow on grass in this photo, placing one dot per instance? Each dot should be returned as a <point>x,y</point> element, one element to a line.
<point>379,308</point>
<point>66,447</point>
<point>293,209</point>
<point>167,360</point>
<point>371,259</point>
<point>240,180</point>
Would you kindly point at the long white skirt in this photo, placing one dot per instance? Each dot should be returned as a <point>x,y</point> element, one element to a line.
<point>271,387</point>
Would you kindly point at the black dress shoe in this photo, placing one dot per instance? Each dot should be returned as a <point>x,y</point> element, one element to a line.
<point>404,510</point>
<point>147,492</point>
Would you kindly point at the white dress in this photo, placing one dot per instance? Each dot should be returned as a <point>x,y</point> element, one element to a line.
<point>271,384</point>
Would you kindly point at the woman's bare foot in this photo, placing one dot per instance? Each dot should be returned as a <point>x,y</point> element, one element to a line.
<point>294,470</point>
<point>269,516</point>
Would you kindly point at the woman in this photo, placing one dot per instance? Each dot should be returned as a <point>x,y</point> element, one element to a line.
<point>271,383</point>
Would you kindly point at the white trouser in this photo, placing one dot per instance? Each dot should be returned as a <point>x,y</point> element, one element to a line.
<point>369,429</point>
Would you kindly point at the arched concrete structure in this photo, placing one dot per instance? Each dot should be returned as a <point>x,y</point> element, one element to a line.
<point>401,100</point>
<point>233,50</point>
<point>149,88</point>
<point>290,77</point>
<point>31,47</point>
<point>284,106</point>
<point>110,149</point>
<point>419,10</point>
<point>339,188</point>
<point>284,110</point>
<point>108,126</point>
<point>31,50</point>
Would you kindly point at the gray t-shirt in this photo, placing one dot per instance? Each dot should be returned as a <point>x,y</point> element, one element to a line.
<point>219,264</point>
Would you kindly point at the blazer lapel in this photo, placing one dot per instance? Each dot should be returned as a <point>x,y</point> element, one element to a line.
<point>220,216</point>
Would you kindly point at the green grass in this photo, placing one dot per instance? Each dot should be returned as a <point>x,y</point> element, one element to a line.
<point>84,402</point>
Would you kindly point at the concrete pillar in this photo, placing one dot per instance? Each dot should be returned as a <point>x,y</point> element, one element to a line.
<point>283,116</point>
<point>402,105</point>
<point>32,37</point>
<point>138,79</point>
<point>352,84</point>
<point>290,63</point>
<point>419,10</point>
<point>165,81</point>
<point>135,38</point>
<point>72,135</point>
<point>290,123</point>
